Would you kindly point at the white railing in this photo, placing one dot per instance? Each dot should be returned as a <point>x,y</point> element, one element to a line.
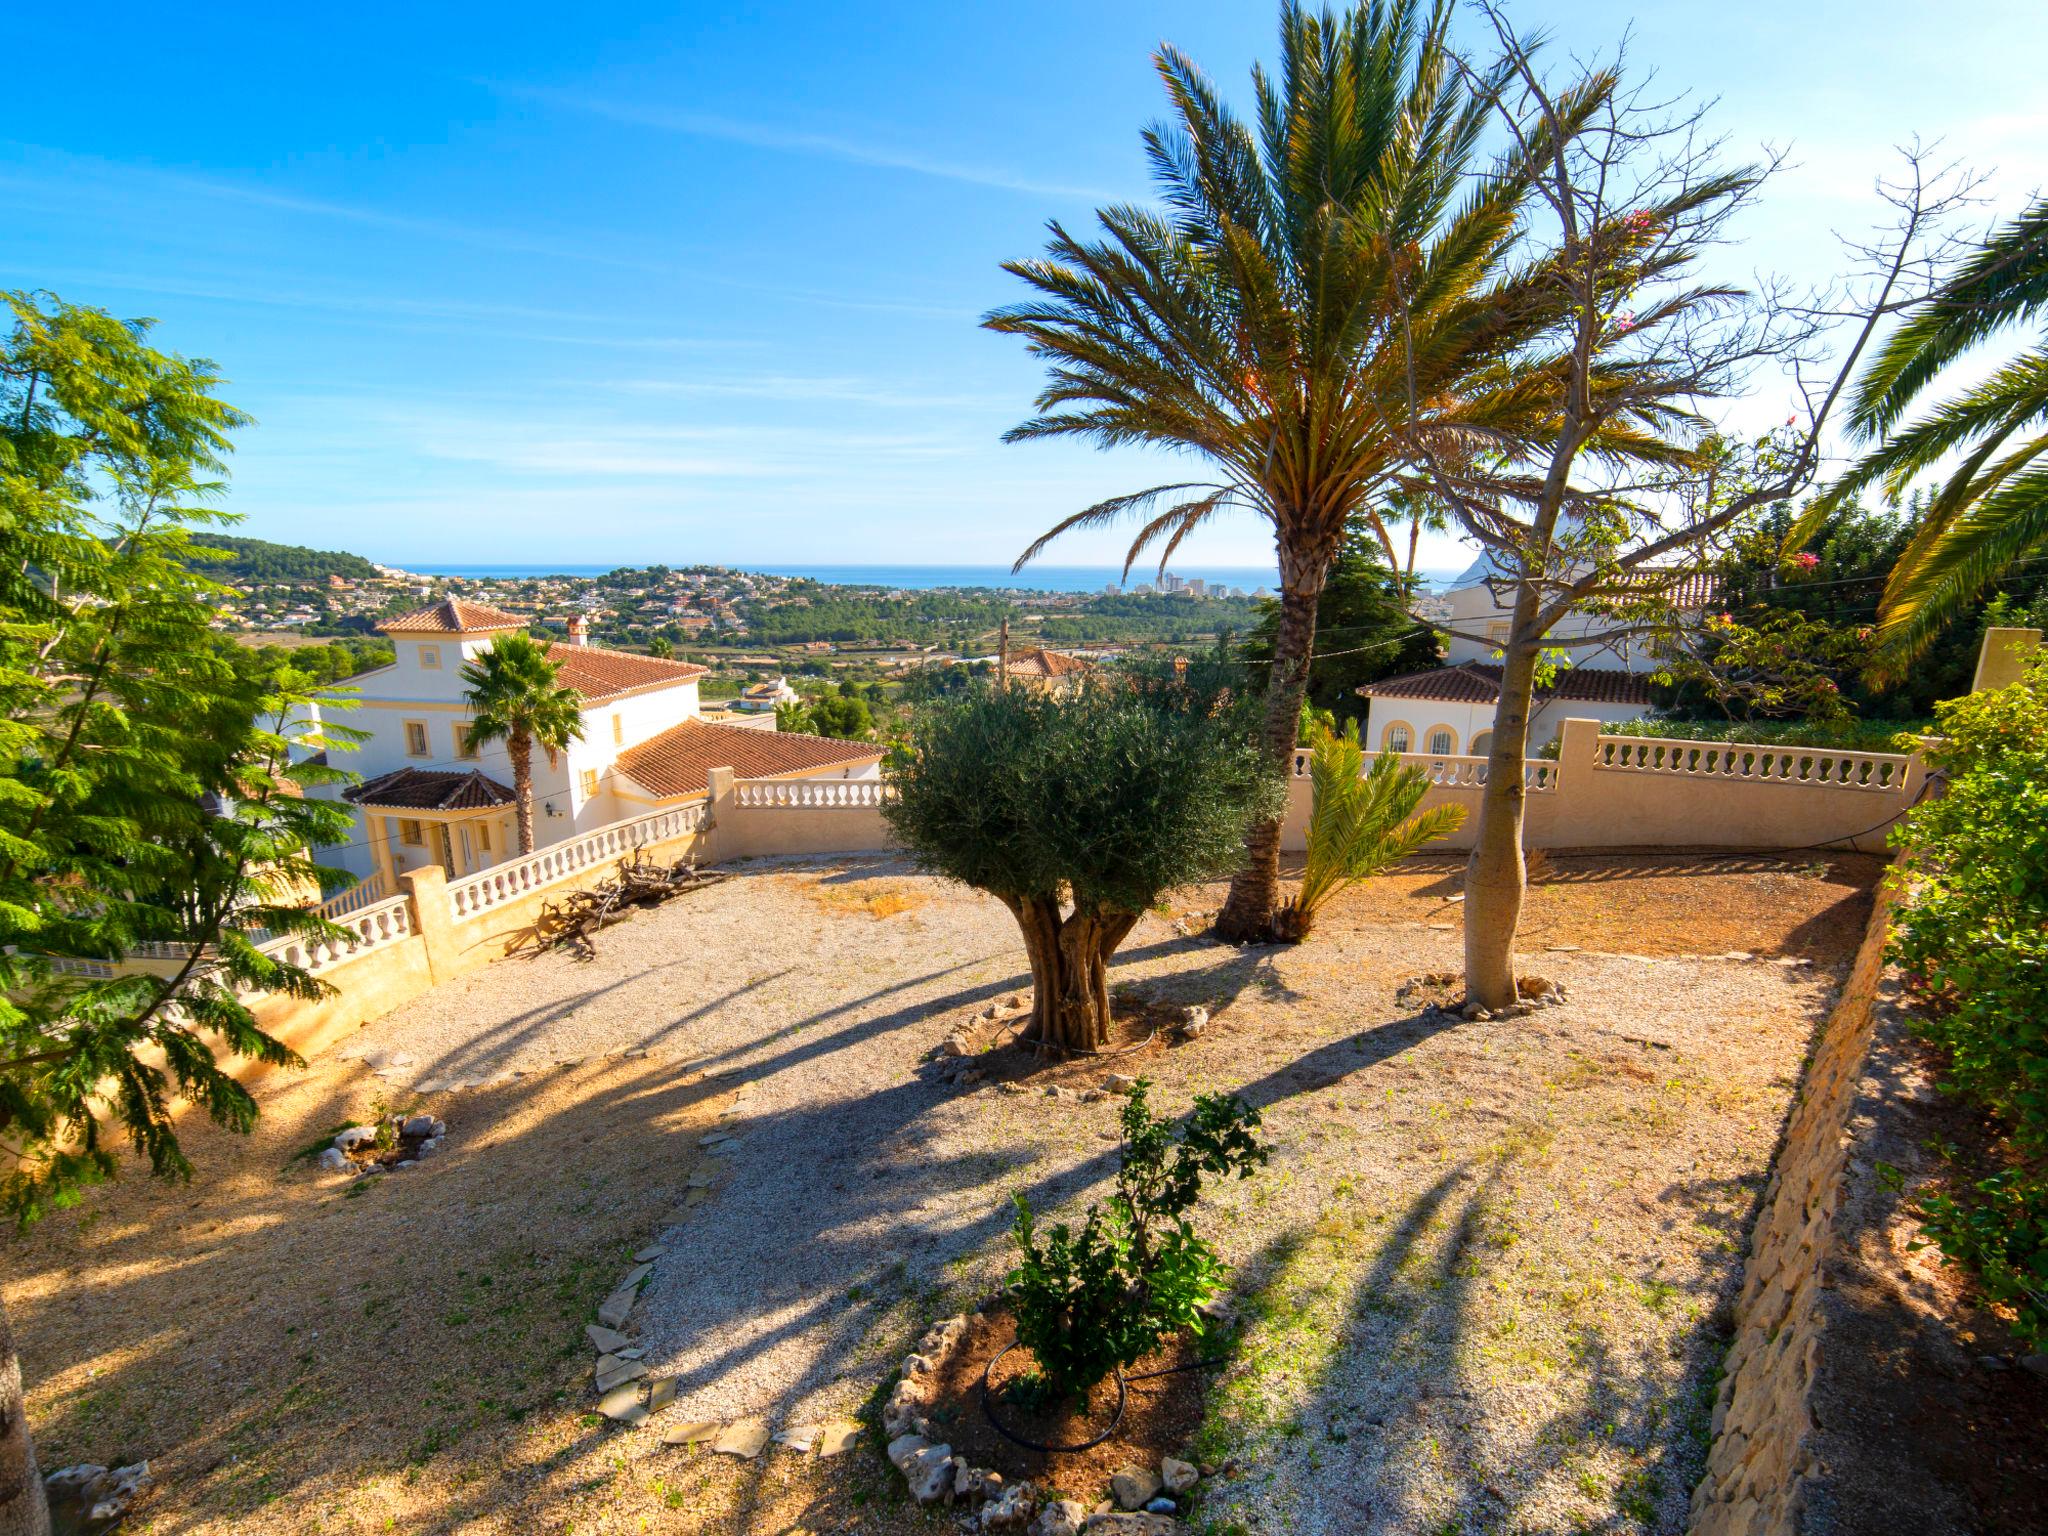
<point>1751,763</point>
<point>504,882</point>
<point>362,894</point>
<point>812,794</point>
<point>371,927</point>
<point>1539,775</point>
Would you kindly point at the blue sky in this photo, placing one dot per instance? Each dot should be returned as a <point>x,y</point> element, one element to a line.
<point>692,283</point>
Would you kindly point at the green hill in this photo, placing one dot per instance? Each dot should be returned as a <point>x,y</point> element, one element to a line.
<point>261,560</point>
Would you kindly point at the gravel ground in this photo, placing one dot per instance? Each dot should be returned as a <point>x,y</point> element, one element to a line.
<point>1480,1279</point>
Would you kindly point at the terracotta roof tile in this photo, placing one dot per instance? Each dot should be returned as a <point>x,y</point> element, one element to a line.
<point>679,761</point>
<point>1474,682</point>
<point>425,789</point>
<point>451,616</point>
<point>1039,663</point>
<point>599,674</point>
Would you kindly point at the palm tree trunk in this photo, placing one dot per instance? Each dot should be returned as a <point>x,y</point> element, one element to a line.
<point>1496,872</point>
<point>24,1510</point>
<point>521,748</point>
<point>1247,915</point>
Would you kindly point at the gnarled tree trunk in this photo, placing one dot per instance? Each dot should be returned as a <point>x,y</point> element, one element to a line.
<point>1248,912</point>
<point>1069,970</point>
<point>1496,872</point>
<point>24,1511</point>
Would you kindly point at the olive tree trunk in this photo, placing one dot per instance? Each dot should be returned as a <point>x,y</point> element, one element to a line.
<point>1069,970</point>
<point>1496,872</point>
<point>1248,913</point>
<point>24,1511</point>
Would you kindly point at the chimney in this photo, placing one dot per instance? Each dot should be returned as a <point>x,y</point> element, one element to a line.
<point>579,629</point>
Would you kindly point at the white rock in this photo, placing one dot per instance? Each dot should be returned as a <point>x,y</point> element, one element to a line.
<point>1177,1476</point>
<point>334,1160</point>
<point>956,1044</point>
<point>1062,1517</point>
<point>1116,1082</point>
<point>903,1447</point>
<point>1009,1510</point>
<point>929,1474</point>
<point>421,1126</point>
<point>356,1136</point>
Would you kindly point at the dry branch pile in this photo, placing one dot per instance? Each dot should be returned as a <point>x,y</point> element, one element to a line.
<point>572,922</point>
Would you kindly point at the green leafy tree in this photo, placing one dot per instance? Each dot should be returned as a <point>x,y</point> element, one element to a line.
<point>1092,1301</point>
<point>662,647</point>
<point>1972,934</point>
<point>148,788</point>
<point>1076,814</point>
<point>1360,823</point>
<point>842,715</point>
<point>1303,316</point>
<point>517,700</point>
<point>1992,507</point>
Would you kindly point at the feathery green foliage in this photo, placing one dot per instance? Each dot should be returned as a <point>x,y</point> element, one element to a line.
<point>1329,288</point>
<point>1361,823</point>
<point>516,699</point>
<point>148,790</point>
<point>1993,506</point>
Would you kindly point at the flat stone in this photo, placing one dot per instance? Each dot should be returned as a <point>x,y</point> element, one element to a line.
<point>649,1255</point>
<point>725,1149</point>
<point>695,1196</point>
<point>623,1405</point>
<point>615,1309</point>
<point>839,1435</point>
<point>660,1394</point>
<point>606,1341</point>
<point>698,1180</point>
<point>1563,949</point>
<point>1134,1487</point>
<point>637,1352</point>
<point>713,1138</point>
<point>634,1276</point>
<point>798,1437</point>
<point>746,1439</point>
<point>691,1432</point>
<point>614,1372</point>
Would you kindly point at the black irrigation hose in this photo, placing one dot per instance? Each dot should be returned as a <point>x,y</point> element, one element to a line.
<point>1116,1419</point>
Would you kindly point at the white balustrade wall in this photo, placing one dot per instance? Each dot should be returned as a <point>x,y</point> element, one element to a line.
<point>477,893</point>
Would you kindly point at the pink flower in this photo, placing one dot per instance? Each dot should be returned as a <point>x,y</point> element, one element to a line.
<point>1806,561</point>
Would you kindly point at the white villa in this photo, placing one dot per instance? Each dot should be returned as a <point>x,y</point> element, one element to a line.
<point>1448,710</point>
<point>428,796</point>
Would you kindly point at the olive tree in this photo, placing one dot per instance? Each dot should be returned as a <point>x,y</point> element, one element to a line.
<point>1077,814</point>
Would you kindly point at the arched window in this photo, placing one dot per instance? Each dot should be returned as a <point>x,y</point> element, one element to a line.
<point>1443,741</point>
<point>1481,744</point>
<point>1396,737</point>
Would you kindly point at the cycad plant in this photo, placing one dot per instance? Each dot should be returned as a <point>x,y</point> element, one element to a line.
<point>1321,300</point>
<point>517,701</point>
<point>1993,506</point>
<point>1361,823</point>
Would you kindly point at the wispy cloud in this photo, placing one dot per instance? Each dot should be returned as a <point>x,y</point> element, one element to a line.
<point>801,388</point>
<point>706,125</point>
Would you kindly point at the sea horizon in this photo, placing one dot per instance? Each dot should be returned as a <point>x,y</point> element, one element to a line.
<point>919,578</point>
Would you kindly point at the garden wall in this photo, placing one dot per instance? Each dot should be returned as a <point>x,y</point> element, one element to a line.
<point>1761,1461</point>
<point>1641,792</point>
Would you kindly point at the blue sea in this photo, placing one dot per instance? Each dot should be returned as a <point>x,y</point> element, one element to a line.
<point>922,578</point>
<point>925,578</point>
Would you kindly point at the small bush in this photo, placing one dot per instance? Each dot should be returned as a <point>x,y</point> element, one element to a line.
<point>1088,1302</point>
<point>1973,936</point>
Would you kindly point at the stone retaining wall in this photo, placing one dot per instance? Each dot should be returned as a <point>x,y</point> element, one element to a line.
<point>1762,1460</point>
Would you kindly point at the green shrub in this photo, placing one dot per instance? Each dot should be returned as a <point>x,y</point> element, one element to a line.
<point>1973,935</point>
<point>1090,1301</point>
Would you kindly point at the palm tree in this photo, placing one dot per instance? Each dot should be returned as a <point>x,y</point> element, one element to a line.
<point>1993,506</point>
<point>1322,297</point>
<point>517,701</point>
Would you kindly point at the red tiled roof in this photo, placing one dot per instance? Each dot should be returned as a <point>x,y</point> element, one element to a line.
<point>1475,682</point>
<point>679,761</point>
<point>425,789</point>
<point>599,674</point>
<point>1046,664</point>
<point>451,616</point>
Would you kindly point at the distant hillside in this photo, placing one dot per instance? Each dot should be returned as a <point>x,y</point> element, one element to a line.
<point>261,560</point>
